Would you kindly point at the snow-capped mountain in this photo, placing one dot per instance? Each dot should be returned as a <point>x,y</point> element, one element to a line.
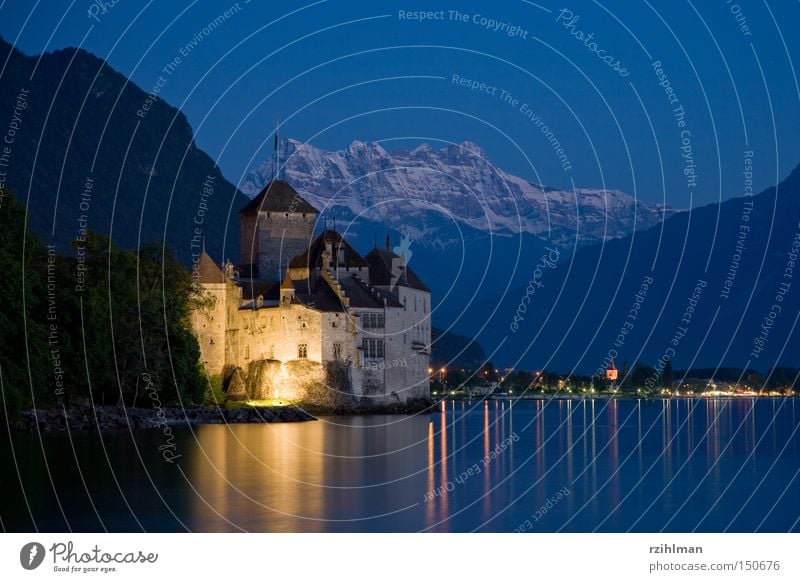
<point>431,194</point>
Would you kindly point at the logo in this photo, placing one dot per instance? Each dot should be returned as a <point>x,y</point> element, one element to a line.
<point>400,262</point>
<point>31,555</point>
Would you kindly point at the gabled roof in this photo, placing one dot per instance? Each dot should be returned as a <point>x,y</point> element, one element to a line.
<point>278,196</point>
<point>208,271</point>
<point>381,263</point>
<point>312,257</point>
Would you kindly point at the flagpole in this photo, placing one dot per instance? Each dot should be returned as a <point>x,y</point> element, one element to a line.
<point>277,160</point>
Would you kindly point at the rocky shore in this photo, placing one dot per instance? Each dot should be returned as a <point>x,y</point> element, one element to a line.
<point>107,418</point>
<point>362,408</point>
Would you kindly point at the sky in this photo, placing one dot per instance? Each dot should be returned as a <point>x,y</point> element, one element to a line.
<point>663,100</point>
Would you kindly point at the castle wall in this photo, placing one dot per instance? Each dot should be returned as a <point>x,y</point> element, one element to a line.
<point>209,325</point>
<point>277,333</point>
<point>281,237</point>
<point>408,345</point>
<point>249,248</point>
<point>232,337</point>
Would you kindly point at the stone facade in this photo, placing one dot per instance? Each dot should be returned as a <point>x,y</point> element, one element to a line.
<point>282,236</point>
<point>336,327</point>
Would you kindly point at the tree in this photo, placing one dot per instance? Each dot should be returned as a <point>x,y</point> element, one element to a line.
<point>488,373</point>
<point>642,374</point>
<point>92,326</point>
<point>666,375</point>
<point>25,372</point>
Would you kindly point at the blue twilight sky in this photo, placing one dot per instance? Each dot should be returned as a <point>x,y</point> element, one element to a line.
<point>338,71</point>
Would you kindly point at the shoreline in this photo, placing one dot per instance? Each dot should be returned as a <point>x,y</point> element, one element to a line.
<point>110,418</point>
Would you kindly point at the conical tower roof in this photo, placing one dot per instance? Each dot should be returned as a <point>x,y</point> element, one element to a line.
<point>208,271</point>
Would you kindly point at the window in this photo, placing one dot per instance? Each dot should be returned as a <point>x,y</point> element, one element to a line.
<point>302,351</point>
<point>337,351</point>
<point>373,348</point>
<point>372,320</point>
<point>271,352</point>
<point>246,352</point>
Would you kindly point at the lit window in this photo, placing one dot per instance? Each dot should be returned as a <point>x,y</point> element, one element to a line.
<point>302,351</point>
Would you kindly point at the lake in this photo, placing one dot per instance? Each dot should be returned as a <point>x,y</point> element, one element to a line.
<point>680,465</point>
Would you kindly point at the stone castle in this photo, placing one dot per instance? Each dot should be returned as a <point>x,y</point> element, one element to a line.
<point>310,319</point>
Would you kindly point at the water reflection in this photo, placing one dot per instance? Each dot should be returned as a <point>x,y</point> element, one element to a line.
<point>628,464</point>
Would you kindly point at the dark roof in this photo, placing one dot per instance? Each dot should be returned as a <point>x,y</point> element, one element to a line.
<point>316,294</point>
<point>362,295</point>
<point>380,270</point>
<point>252,288</point>
<point>312,257</point>
<point>278,196</point>
<point>208,271</point>
<point>248,271</point>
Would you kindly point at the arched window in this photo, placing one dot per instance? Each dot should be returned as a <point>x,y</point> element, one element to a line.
<point>302,350</point>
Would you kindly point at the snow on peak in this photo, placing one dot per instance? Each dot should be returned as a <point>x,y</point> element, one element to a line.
<point>428,188</point>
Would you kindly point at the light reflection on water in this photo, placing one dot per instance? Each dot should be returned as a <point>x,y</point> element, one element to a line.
<point>645,465</point>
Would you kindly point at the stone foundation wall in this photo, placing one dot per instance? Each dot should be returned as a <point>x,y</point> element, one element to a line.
<point>301,381</point>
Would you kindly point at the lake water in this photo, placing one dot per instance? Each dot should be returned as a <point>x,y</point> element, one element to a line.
<point>583,465</point>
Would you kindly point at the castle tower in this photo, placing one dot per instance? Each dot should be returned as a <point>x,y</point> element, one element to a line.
<point>276,225</point>
<point>210,322</point>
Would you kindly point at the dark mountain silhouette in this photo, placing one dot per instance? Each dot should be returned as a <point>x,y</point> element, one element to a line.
<point>82,122</point>
<point>458,351</point>
<point>742,249</point>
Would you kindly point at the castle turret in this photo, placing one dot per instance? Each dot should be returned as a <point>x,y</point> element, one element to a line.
<point>209,321</point>
<point>287,289</point>
<point>277,225</point>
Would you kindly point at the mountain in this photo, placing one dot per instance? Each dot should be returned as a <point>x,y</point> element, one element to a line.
<point>451,349</point>
<point>466,225</point>
<point>717,286</point>
<point>422,192</point>
<point>92,150</point>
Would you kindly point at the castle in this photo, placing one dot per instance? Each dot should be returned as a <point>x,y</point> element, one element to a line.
<point>311,319</point>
